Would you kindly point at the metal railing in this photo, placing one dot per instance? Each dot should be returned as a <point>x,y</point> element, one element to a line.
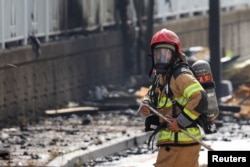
<point>46,18</point>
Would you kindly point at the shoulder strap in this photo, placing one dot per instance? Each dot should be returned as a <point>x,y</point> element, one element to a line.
<point>182,68</point>
<point>176,71</point>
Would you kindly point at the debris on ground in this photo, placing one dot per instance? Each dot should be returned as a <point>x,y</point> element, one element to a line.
<point>241,97</point>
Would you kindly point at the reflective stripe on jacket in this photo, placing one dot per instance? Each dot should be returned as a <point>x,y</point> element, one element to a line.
<point>166,136</point>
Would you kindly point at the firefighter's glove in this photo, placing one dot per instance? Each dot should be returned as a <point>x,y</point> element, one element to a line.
<point>173,125</point>
<point>145,111</point>
<point>151,123</point>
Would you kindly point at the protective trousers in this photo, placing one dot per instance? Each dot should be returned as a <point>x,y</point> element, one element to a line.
<point>178,156</point>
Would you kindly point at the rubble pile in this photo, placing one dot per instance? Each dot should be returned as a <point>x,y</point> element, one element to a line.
<point>37,145</point>
<point>240,74</point>
<point>241,97</point>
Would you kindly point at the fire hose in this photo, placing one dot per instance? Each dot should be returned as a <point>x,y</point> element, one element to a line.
<point>182,130</point>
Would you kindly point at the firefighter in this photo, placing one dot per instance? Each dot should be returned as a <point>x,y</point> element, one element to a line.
<point>173,86</point>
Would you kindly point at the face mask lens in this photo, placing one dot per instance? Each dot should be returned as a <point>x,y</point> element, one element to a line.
<point>162,55</point>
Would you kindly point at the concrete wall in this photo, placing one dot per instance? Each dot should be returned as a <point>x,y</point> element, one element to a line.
<point>63,73</point>
<point>67,69</point>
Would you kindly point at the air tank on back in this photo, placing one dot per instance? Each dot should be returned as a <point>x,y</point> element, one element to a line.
<point>204,75</point>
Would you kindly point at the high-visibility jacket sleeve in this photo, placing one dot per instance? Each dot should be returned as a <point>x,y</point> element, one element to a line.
<point>188,86</point>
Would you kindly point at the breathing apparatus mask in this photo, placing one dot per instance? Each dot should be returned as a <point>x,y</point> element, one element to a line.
<point>163,58</point>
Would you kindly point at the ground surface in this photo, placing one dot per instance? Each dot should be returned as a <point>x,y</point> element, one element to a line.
<point>37,144</point>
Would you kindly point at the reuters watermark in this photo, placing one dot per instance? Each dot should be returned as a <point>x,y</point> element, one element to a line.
<point>228,158</point>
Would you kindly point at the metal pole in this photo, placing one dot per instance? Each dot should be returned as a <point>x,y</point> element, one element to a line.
<point>47,20</point>
<point>182,130</point>
<point>215,42</point>
<point>25,26</point>
<point>2,24</point>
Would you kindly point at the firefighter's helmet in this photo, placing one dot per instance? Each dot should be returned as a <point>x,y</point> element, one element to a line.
<point>165,36</point>
<point>165,50</point>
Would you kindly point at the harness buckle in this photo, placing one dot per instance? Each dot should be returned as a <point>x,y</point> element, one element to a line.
<point>173,100</point>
